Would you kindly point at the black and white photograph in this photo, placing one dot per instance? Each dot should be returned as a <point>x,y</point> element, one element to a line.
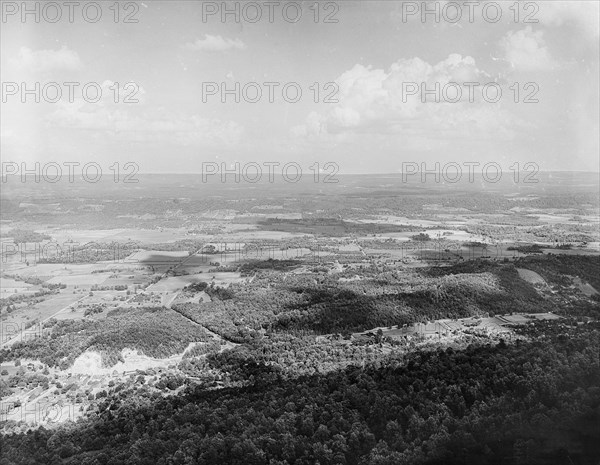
<point>311,232</point>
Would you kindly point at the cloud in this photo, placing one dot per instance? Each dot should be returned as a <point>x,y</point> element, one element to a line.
<point>526,50</point>
<point>215,44</point>
<point>47,60</point>
<point>373,101</point>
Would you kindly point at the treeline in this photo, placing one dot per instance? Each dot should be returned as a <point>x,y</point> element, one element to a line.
<point>215,292</point>
<point>30,298</point>
<point>528,403</point>
<point>529,249</point>
<point>250,267</point>
<point>22,236</point>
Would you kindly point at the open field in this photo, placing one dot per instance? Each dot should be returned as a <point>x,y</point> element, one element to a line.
<point>10,287</point>
<point>51,270</point>
<point>14,324</point>
<point>530,276</point>
<point>79,279</point>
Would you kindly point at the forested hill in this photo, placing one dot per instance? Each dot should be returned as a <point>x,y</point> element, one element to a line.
<point>535,402</point>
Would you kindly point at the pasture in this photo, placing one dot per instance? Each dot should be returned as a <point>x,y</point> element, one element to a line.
<point>530,276</point>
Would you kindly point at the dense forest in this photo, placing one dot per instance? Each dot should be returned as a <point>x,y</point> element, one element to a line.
<point>534,402</point>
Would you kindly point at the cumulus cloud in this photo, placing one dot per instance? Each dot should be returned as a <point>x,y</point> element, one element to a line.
<point>380,102</point>
<point>526,50</point>
<point>47,60</point>
<point>215,44</point>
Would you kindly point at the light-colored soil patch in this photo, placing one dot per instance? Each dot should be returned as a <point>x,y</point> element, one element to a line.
<point>530,276</point>
<point>90,363</point>
<point>80,279</point>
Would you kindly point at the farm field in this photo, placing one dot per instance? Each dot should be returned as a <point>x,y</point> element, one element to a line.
<point>530,276</point>
<point>14,324</point>
<point>10,287</point>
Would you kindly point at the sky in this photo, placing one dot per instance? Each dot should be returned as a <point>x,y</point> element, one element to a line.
<point>361,61</point>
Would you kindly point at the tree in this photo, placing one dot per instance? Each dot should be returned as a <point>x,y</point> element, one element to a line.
<point>421,237</point>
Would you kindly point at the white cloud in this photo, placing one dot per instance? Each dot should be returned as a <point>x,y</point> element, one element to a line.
<point>526,50</point>
<point>47,60</point>
<point>373,101</point>
<point>215,44</point>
